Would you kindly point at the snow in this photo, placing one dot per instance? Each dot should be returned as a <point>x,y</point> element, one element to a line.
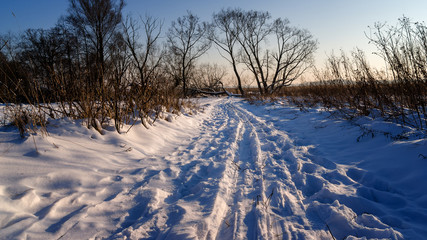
<point>231,171</point>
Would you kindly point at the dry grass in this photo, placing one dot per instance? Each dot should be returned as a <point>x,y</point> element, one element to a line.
<point>124,103</point>
<point>403,102</point>
<point>352,87</point>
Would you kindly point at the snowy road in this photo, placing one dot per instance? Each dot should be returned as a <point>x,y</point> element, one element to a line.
<point>233,181</point>
<point>236,171</point>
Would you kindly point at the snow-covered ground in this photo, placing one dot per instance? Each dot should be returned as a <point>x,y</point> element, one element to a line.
<point>233,171</point>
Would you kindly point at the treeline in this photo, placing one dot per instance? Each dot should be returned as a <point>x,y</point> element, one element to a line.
<point>97,64</point>
<point>352,86</point>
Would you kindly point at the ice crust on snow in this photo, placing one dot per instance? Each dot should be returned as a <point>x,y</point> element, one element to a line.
<point>231,171</point>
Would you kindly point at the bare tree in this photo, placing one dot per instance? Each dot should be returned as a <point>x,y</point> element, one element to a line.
<point>146,54</point>
<point>118,99</point>
<point>272,67</point>
<point>226,22</point>
<point>293,56</point>
<point>97,21</point>
<point>209,77</point>
<point>255,30</point>
<point>403,47</point>
<point>188,40</point>
<point>13,73</point>
<point>147,57</point>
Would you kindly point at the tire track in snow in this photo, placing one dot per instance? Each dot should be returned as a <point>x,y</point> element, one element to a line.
<point>240,221</point>
<point>227,185</point>
<point>254,224</point>
<point>241,178</point>
<point>316,198</point>
<point>278,211</point>
<point>197,202</point>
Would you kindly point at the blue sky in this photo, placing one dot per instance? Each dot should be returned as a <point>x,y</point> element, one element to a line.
<point>337,24</point>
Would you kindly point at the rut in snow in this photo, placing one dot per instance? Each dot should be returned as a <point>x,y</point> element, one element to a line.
<point>242,178</point>
<point>234,172</point>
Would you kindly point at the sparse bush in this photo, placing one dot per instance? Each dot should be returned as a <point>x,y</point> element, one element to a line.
<point>350,86</point>
<point>59,73</point>
<point>208,77</point>
<point>359,90</point>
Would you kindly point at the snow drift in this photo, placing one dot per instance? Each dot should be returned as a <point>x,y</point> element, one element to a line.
<point>233,171</point>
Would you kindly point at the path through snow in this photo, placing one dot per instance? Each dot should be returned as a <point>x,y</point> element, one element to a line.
<point>236,171</point>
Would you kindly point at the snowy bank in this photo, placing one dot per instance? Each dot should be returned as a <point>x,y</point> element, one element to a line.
<point>233,171</point>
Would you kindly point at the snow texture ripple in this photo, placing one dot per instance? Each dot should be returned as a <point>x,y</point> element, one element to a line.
<point>233,171</point>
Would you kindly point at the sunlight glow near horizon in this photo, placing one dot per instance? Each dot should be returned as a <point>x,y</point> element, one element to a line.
<point>336,24</point>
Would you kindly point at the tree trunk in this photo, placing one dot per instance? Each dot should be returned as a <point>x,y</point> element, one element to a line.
<point>239,81</point>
